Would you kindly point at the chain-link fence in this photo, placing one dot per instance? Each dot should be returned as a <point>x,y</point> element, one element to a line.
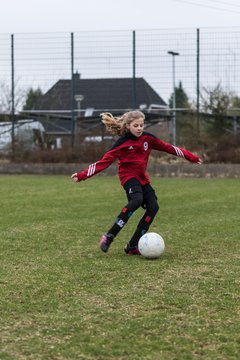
<point>199,59</point>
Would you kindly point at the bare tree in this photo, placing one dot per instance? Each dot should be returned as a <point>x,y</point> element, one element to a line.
<point>216,102</point>
<point>6,97</point>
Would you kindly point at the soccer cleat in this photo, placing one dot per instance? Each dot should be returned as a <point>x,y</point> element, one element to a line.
<point>131,250</point>
<point>105,242</point>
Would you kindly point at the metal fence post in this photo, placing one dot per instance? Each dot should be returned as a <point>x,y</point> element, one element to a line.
<point>134,90</point>
<point>12,94</point>
<point>72,90</point>
<point>198,81</point>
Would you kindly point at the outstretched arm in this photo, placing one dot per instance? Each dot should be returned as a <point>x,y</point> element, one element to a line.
<point>174,150</point>
<point>95,168</point>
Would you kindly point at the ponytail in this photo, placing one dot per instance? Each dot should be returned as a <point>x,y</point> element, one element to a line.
<point>113,125</point>
<point>117,125</point>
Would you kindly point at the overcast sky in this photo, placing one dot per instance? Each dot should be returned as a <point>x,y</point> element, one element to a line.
<point>25,16</point>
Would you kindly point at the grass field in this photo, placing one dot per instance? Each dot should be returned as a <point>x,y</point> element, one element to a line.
<point>62,298</point>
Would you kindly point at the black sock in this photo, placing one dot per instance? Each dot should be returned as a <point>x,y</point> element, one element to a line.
<point>121,220</point>
<point>142,228</point>
<point>110,236</point>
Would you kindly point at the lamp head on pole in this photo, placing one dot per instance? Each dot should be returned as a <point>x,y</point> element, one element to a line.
<point>173,53</point>
<point>79,97</point>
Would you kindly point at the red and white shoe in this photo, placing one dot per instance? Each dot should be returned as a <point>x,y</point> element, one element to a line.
<point>131,250</point>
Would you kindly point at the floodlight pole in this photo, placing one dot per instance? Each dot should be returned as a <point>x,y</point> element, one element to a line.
<point>173,53</point>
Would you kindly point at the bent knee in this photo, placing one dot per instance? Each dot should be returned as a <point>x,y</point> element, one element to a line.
<point>135,202</point>
<point>153,208</point>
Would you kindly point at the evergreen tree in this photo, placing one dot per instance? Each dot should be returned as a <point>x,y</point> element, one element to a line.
<point>181,97</point>
<point>32,98</point>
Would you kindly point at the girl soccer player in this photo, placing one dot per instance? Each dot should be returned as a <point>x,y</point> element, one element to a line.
<point>132,150</point>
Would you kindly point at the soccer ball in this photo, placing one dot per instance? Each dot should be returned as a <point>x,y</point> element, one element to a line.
<point>151,245</point>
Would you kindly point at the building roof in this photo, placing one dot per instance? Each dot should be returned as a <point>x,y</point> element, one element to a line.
<point>100,94</point>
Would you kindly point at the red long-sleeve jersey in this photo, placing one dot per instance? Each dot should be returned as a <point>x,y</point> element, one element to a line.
<point>132,154</point>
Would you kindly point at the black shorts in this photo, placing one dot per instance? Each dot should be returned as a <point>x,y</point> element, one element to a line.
<point>147,192</point>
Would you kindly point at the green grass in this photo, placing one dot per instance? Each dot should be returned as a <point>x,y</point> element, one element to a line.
<point>62,298</point>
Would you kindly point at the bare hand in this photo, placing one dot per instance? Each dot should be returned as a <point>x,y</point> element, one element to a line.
<point>74,177</point>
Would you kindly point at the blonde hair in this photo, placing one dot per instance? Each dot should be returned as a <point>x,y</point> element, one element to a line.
<point>117,125</point>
